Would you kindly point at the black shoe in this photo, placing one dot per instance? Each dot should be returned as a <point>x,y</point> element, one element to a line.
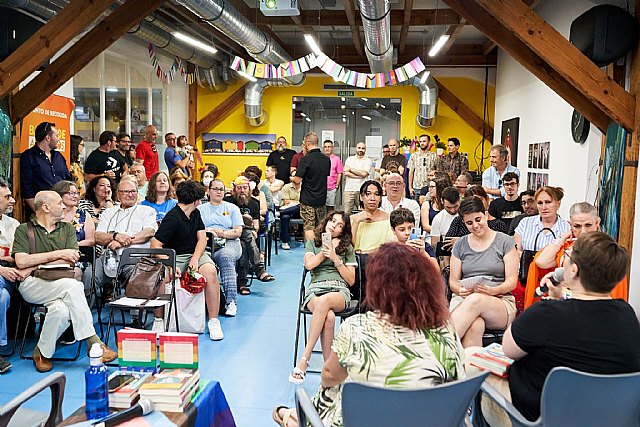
<point>5,365</point>
<point>67,337</point>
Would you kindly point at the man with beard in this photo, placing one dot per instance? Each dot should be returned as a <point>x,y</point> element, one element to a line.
<point>420,164</point>
<point>393,158</point>
<point>356,169</point>
<point>147,152</point>
<point>528,202</point>
<point>281,159</point>
<point>250,210</point>
<point>122,151</point>
<point>101,161</point>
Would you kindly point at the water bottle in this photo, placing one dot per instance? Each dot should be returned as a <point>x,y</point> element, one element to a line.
<point>96,386</point>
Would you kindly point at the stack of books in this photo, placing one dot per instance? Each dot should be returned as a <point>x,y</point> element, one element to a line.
<point>492,358</point>
<point>171,390</point>
<point>124,387</point>
<point>137,350</point>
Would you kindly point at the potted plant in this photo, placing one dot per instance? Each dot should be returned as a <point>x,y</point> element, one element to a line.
<point>405,145</point>
<point>440,145</point>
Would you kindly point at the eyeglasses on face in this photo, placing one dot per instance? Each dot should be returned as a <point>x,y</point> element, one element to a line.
<point>511,184</point>
<point>73,193</point>
<point>217,189</point>
<point>394,183</point>
<point>129,192</point>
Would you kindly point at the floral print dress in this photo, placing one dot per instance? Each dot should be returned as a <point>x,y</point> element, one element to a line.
<point>379,353</point>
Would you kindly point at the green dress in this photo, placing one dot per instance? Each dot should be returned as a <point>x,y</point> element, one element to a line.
<point>379,353</point>
<point>326,277</point>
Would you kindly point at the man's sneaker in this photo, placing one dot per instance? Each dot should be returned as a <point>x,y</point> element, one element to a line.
<point>215,330</point>
<point>285,246</point>
<point>5,365</point>
<point>158,326</point>
<point>232,309</point>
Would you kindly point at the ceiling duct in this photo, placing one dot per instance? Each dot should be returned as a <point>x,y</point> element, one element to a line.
<point>428,105</point>
<point>376,21</point>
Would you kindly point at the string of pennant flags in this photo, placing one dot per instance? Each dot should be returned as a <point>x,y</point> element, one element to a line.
<point>331,68</point>
<point>177,67</point>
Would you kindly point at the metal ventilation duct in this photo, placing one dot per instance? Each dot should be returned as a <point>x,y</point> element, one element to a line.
<point>428,105</point>
<point>376,20</point>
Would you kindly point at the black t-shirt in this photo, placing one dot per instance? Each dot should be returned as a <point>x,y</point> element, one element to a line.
<point>399,159</point>
<point>505,210</point>
<point>282,161</point>
<point>126,159</point>
<point>252,208</point>
<point>599,337</point>
<point>178,232</point>
<point>100,162</point>
<point>514,223</point>
<point>314,168</point>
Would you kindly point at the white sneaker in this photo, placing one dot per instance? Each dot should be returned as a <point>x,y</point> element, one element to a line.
<point>285,246</point>
<point>158,325</point>
<point>215,330</point>
<point>232,309</point>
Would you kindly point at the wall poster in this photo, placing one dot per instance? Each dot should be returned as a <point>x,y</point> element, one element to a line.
<point>509,138</point>
<point>254,143</point>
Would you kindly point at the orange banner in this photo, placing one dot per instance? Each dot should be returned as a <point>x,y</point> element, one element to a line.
<point>55,109</point>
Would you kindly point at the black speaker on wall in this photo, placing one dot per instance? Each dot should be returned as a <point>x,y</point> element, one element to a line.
<point>15,29</point>
<point>604,33</point>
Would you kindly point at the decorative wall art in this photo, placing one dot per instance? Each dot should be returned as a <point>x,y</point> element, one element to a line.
<point>509,139</point>
<point>610,188</point>
<point>213,143</point>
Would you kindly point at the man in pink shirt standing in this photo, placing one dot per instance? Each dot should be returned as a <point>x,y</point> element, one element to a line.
<point>147,152</point>
<point>335,177</point>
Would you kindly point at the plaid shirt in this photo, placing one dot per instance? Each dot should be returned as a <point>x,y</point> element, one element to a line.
<point>458,164</point>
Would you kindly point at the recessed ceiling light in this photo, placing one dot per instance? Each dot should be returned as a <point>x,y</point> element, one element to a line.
<point>344,120</point>
<point>303,114</point>
<point>308,119</point>
<point>343,99</point>
<point>365,99</point>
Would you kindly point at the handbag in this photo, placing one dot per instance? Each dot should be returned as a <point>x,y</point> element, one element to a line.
<point>527,257</point>
<point>43,272</point>
<point>145,279</point>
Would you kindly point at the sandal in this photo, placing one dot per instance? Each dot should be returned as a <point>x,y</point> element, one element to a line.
<point>244,290</point>
<point>297,376</point>
<point>289,413</point>
<point>266,278</point>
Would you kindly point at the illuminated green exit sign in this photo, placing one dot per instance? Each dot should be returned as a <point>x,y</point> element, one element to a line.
<point>345,93</point>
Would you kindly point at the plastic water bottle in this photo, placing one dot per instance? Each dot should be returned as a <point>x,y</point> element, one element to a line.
<point>96,386</point>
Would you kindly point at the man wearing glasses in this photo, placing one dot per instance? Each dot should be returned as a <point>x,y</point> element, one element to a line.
<point>529,207</point>
<point>147,152</point>
<point>420,164</point>
<point>394,189</point>
<point>493,177</point>
<point>102,161</point>
<point>41,166</point>
<point>508,207</point>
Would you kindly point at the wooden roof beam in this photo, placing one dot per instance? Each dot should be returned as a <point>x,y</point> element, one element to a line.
<point>490,44</point>
<point>507,40</point>
<point>48,40</point>
<point>453,32</point>
<point>350,11</point>
<point>219,113</point>
<point>103,35</point>
<point>404,31</point>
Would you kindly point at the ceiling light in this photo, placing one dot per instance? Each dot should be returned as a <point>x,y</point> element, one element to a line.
<point>344,115</point>
<point>312,44</point>
<point>293,106</point>
<point>377,104</point>
<point>111,89</point>
<point>308,119</point>
<point>195,43</point>
<point>270,4</point>
<point>344,120</point>
<point>343,99</point>
<point>365,99</point>
<point>366,117</point>
<point>303,114</point>
<point>382,105</point>
<point>398,112</point>
<point>343,106</point>
<point>425,76</point>
<point>247,76</point>
<point>436,47</point>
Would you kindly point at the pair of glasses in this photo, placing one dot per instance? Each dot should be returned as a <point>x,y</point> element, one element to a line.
<point>217,189</point>
<point>73,193</point>
<point>128,191</point>
<point>395,184</point>
<point>510,184</point>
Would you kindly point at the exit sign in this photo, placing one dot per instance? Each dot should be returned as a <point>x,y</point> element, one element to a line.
<point>345,93</point>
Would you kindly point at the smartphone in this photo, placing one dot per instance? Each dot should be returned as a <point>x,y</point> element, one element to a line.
<point>326,239</point>
<point>416,232</point>
<point>119,381</point>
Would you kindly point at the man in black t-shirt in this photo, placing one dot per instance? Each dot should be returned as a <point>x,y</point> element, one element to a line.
<point>122,151</point>
<point>102,162</point>
<point>508,207</point>
<point>281,159</point>
<point>313,170</point>
<point>182,230</point>
<point>394,156</point>
<point>250,210</point>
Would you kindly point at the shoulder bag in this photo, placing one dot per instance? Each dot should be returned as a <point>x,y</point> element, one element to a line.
<point>43,272</point>
<point>145,279</point>
<point>527,257</point>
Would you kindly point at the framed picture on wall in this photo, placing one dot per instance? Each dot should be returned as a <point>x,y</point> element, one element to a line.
<point>509,138</point>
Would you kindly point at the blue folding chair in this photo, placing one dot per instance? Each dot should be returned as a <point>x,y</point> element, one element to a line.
<point>307,414</point>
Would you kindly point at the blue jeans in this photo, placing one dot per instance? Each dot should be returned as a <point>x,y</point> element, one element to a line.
<point>5,290</point>
<point>285,218</point>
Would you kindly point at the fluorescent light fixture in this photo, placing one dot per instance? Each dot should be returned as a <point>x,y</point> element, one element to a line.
<point>111,89</point>
<point>344,115</point>
<point>343,99</point>
<point>308,119</point>
<point>195,43</point>
<point>343,106</point>
<point>436,47</point>
<point>366,117</point>
<point>365,99</point>
<point>344,120</point>
<point>293,106</point>
<point>303,114</point>
<point>425,76</point>
<point>312,44</point>
<point>383,106</point>
<point>398,112</point>
<point>247,76</point>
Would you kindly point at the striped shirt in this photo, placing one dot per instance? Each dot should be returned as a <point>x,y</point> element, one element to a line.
<point>529,228</point>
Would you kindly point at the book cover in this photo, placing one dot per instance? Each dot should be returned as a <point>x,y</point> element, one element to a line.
<point>137,349</point>
<point>493,359</point>
<point>171,381</point>
<point>176,399</point>
<point>131,386</point>
<point>178,350</point>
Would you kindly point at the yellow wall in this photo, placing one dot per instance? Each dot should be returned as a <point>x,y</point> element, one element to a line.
<point>277,103</point>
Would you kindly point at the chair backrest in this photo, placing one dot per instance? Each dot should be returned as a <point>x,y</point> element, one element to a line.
<point>307,414</point>
<point>131,256</point>
<point>573,398</point>
<point>87,254</point>
<point>443,405</point>
<point>361,280</point>
<point>56,382</point>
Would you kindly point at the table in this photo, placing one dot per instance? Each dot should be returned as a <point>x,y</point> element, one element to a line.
<point>209,409</point>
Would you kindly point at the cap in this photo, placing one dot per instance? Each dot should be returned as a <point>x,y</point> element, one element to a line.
<point>241,180</point>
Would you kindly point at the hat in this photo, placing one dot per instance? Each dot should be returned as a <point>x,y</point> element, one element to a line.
<point>241,180</point>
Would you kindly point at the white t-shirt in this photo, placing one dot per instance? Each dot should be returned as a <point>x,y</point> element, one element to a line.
<point>353,162</point>
<point>441,223</point>
<point>8,227</point>
<point>128,221</point>
<point>410,204</point>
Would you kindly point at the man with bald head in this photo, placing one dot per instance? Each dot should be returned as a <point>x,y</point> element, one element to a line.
<point>393,158</point>
<point>147,152</point>
<point>46,239</point>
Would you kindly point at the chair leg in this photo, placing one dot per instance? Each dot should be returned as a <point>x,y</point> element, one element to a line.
<point>295,348</point>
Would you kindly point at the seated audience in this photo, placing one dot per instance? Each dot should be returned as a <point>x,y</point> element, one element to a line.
<point>274,184</point>
<point>8,273</point>
<point>99,197</point>
<point>402,222</point>
<point>289,209</point>
<point>458,227</point>
<point>394,188</point>
<point>183,231</point>
<point>138,171</point>
<point>333,272</point>
<point>590,332</point>
<point>224,220</point>
<point>435,204</point>
<point>132,155</point>
<point>443,219</point>
<point>177,176</point>
<point>462,183</point>
<point>529,208</point>
<point>160,195</point>
<point>408,327</point>
<point>266,195</point>
<point>507,207</point>
<point>370,227</point>
<point>484,271</point>
<point>206,177</point>
<point>55,243</point>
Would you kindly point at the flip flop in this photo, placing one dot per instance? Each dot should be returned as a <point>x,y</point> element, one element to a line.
<point>288,414</point>
<point>267,278</point>
<point>244,290</point>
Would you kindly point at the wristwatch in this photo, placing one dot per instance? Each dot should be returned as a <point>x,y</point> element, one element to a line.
<point>115,233</point>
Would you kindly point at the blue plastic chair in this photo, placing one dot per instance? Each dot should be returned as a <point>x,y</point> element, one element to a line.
<point>443,405</point>
<point>574,398</point>
<point>307,414</point>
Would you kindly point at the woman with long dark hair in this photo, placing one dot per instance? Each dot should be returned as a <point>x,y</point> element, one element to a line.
<point>333,271</point>
<point>370,227</point>
<point>99,196</point>
<point>75,152</point>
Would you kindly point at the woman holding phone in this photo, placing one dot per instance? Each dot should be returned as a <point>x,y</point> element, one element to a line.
<point>332,262</point>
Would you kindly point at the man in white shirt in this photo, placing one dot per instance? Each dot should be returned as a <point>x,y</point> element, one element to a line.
<point>356,170</point>
<point>442,221</point>
<point>394,188</point>
<point>275,184</point>
<point>492,177</point>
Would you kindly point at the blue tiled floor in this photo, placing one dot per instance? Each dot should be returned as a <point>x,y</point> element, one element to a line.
<point>252,363</point>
